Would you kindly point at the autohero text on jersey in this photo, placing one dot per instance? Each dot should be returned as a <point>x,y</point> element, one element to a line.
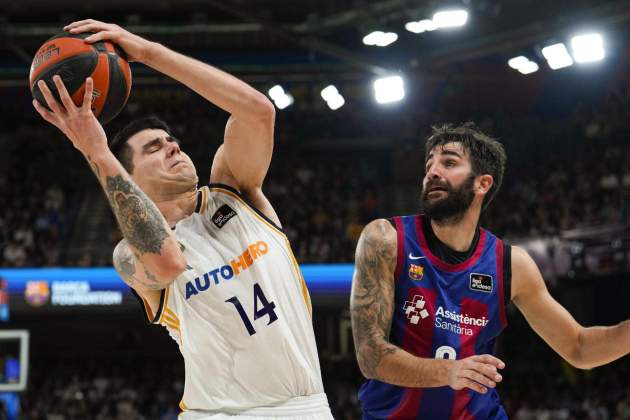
<point>235,267</point>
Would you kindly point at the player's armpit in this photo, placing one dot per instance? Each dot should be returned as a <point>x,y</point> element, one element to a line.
<point>134,273</point>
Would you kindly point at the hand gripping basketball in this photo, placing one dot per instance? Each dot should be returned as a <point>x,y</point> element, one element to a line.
<point>78,123</point>
<point>136,48</point>
<point>475,372</point>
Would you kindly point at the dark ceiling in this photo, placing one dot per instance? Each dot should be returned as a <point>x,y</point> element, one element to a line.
<point>291,37</point>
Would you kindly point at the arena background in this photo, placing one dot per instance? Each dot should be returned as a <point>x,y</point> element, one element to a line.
<point>566,196</point>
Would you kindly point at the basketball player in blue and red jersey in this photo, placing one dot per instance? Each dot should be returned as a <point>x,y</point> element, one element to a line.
<point>429,295</point>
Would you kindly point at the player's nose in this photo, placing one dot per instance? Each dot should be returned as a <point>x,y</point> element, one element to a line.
<point>172,148</point>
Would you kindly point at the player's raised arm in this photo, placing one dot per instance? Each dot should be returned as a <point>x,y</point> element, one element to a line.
<point>244,158</point>
<point>372,308</point>
<point>582,347</point>
<point>145,230</point>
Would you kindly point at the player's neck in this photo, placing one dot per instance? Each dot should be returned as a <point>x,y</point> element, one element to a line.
<point>177,207</point>
<point>459,234</point>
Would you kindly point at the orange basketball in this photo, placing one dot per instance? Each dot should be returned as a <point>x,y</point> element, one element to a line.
<point>74,60</point>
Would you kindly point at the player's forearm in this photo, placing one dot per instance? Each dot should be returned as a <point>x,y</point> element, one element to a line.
<point>601,345</point>
<point>391,364</point>
<point>149,236</point>
<point>222,89</point>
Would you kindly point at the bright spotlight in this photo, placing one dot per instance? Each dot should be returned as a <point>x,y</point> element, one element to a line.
<point>380,38</point>
<point>527,68</point>
<point>276,92</point>
<point>336,102</point>
<point>332,97</point>
<point>389,89</point>
<point>588,47</point>
<point>557,56</point>
<point>523,64</point>
<point>329,92</point>
<point>450,18</point>
<point>517,62</point>
<point>417,27</point>
<point>284,101</point>
<point>280,97</point>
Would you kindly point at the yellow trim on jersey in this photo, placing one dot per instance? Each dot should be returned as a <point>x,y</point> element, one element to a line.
<point>147,309</point>
<point>248,207</point>
<point>169,316</point>
<point>204,197</point>
<point>305,294</point>
<point>183,406</point>
<point>166,293</point>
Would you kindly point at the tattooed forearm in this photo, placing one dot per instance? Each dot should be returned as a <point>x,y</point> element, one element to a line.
<point>372,298</point>
<point>139,219</point>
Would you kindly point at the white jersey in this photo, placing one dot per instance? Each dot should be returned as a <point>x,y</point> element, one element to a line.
<point>241,312</point>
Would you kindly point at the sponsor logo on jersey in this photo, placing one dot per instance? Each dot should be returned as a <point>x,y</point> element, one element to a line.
<point>236,266</point>
<point>416,272</point>
<point>415,309</point>
<point>413,257</point>
<point>223,215</point>
<point>481,282</point>
<point>457,323</point>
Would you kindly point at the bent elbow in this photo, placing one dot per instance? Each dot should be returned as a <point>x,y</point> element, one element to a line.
<point>171,268</point>
<point>263,108</point>
<point>367,365</point>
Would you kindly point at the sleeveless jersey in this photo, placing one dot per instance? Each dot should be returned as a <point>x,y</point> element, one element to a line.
<point>241,312</point>
<point>442,311</point>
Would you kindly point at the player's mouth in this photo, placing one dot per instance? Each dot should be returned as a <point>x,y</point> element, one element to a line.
<point>177,163</point>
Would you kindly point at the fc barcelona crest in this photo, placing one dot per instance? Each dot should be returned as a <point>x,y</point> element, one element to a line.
<point>416,272</point>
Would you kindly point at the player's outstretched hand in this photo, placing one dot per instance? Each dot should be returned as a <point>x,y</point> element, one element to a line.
<point>78,123</point>
<point>477,372</point>
<point>136,47</point>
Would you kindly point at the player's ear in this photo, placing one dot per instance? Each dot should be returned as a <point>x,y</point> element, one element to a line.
<point>485,182</point>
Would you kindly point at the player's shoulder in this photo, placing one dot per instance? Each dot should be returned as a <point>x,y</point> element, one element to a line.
<point>379,233</point>
<point>520,258</point>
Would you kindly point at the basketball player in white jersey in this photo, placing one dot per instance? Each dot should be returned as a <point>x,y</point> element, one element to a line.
<point>212,265</point>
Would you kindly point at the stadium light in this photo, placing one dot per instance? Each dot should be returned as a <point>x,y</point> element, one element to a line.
<point>557,56</point>
<point>332,97</point>
<point>450,18</point>
<point>417,27</point>
<point>380,38</point>
<point>281,98</point>
<point>523,64</point>
<point>389,89</point>
<point>588,47</point>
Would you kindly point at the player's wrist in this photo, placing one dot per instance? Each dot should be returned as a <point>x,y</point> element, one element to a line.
<point>152,51</point>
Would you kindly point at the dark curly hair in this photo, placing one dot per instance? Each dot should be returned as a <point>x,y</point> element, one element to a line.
<point>487,155</point>
<point>118,144</point>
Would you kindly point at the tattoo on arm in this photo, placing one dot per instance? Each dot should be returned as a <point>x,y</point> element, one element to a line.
<point>125,264</point>
<point>372,299</point>
<point>140,221</point>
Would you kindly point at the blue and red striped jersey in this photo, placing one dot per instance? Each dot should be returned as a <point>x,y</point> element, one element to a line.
<point>442,310</point>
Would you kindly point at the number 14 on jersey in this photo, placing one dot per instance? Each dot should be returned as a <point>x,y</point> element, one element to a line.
<point>265,308</point>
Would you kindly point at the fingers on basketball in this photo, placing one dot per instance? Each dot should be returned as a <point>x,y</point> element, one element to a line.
<point>66,100</point>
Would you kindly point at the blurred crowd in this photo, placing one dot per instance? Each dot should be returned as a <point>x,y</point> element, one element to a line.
<point>563,173</point>
<point>143,389</point>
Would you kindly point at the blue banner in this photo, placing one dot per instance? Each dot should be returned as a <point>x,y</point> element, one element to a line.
<point>320,278</point>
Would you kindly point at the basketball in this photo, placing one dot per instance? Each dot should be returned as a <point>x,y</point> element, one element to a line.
<point>74,60</point>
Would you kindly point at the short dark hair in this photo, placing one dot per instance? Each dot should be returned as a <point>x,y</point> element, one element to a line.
<point>118,145</point>
<point>487,155</point>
